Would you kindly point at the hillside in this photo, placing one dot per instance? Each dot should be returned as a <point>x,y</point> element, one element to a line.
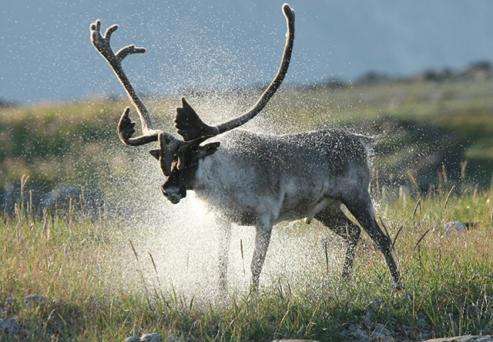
<point>426,131</point>
<point>151,267</point>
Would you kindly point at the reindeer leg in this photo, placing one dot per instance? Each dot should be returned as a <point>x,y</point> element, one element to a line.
<point>224,230</point>
<point>362,209</point>
<point>262,240</point>
<point>334,219</point>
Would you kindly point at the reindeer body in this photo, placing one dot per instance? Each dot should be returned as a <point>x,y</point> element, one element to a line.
<point>260,180</point>
<point>256,177</point>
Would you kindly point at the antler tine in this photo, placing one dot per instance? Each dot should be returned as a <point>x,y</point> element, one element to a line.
<point>109,32</point>
<point>128,50</point>
<point>191,127</point>
<point>125,125</point>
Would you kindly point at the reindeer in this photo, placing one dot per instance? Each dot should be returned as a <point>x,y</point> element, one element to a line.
<point>258,179</point>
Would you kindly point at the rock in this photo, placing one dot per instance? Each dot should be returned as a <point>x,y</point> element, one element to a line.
<point>34,300</point>
<point>154,337</point>
<point>465,338</point>
<point>454,227</point>
<point>381,333</point>
<point>354,332</point>
<point>132,339</point>
<point>10,326</point>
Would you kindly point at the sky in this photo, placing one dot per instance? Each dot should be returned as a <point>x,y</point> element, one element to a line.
<point>46,54</point>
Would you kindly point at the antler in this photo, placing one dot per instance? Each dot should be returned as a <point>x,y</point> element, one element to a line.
<point>125,125</point>
<point>190,126</point>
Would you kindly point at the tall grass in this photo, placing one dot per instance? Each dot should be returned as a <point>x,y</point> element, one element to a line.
<point>91,296</point>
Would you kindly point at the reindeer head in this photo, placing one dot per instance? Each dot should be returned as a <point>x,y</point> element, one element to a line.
<point>183,163</point>
<point>179,158</point>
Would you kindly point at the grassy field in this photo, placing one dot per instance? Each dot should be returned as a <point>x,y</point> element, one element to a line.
<point>74,265</point>
<point>93,285</point>
<point>55,143</point>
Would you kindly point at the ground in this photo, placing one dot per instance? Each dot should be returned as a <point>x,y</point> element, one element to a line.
<point>138,265</point>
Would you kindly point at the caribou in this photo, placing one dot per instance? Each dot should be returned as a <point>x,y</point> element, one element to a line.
<point>253,179</point>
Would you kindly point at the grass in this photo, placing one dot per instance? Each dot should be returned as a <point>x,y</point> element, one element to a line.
<point>96,288</point>
<point>73,263</point>
<point>55,143</point>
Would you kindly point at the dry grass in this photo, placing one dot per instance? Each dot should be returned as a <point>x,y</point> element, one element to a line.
<point>448,280</point>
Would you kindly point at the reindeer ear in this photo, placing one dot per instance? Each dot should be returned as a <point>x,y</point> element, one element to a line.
<point>155,153</point>
<point>189,125</point>
<point>208,149</point>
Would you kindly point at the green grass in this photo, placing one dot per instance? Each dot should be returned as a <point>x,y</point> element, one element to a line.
<point>55,143</point>
<point>74,263</point>
<point>95,294</point>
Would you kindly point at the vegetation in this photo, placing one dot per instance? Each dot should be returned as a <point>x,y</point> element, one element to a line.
<point>91,281</point>
<point>56,143</point>
<point>74,265</point>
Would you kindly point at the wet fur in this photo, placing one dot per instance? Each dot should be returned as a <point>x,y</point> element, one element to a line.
<point>256,179</point>
<point>260,180</point>
<point>283,177</point>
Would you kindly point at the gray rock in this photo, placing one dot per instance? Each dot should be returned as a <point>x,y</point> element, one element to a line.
<point>10,326</point>
<point>454,227</point>
<point>154,337</point>
<point>132,339</point>
<point>34,300</point>
<point>465,338</point>
<point>381,333</point>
